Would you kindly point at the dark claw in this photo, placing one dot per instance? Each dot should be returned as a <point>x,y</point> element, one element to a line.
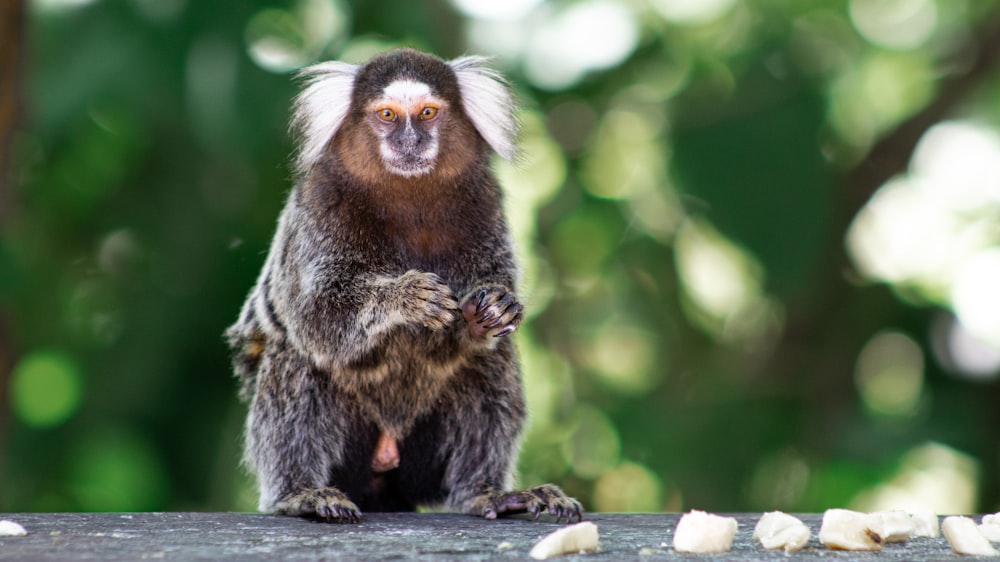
<point>487,316</point>
<point>505,332</point>
<point>493,324</point>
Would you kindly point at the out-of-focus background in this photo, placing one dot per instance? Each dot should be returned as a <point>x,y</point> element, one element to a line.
<point>760,242</point>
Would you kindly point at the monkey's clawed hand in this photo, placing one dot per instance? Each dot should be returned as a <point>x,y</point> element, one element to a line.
<point>426,300</point>
<point>546,497</point>
<point>492,312</point>
<point>327,504</point>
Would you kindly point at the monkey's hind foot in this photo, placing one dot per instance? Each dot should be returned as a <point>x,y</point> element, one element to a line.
<point>546,497</point>
<point>328,504</point>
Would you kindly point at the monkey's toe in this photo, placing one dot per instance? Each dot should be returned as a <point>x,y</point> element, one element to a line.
<point>327,504</point>
<point>546,497</point>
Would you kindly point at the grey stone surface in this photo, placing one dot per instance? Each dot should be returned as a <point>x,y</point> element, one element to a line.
<point>383,536</point>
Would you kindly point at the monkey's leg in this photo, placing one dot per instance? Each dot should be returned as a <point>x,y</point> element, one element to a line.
<point>483,426</point>
<point>296,435</point>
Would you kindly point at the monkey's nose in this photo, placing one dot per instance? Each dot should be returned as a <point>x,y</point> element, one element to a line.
<point>410,139</point>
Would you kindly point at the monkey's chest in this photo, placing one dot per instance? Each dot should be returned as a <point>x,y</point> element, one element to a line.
<point>426,243</point>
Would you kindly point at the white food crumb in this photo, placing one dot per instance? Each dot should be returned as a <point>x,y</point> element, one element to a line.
<point>964,536</point>
<point>703,533</point>
<point>571,539</point>
<point>11,529</point>
<point>843,529</point>
<point>925,524</point>
<point>892,526</point>
<point>778,530</point>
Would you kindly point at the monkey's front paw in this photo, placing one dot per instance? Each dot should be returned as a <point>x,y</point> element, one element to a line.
<point>546,497</point>
<point>426,300</point>
<point>492,311</point>
<point>328,504</point>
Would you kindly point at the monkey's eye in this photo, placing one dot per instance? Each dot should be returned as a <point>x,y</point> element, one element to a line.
<point>386,114</point>
<point>428,113</point>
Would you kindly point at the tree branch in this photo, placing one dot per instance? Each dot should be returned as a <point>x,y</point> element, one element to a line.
<point>11,65</point>
<point>892,153</point>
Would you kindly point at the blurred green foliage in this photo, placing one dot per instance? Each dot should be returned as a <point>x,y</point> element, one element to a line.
<point>717,320</point>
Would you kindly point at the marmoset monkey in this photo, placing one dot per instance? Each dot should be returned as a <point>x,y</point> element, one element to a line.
<point>374,348</point>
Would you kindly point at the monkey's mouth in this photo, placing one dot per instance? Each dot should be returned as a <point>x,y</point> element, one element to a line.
<point>408,164</point>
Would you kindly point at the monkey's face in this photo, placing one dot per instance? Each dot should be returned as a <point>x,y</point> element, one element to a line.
<point>404,114</point>
<point>407,120</point>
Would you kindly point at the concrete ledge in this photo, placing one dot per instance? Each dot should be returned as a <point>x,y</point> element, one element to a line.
<point>381,536</point>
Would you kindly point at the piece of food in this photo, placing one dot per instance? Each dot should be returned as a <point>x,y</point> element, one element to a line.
<point>892,526</point>
<point>843,529</point>
<point>990,527</point>
<point>991,532</point>
<point>925,524</point>
<point>964,536</point>
<point>702,533</point>
<point>11,529</point>
<point>777,530</point>
<point>571,539</point>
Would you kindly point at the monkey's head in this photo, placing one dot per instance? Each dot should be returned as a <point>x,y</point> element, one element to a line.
<point>404,113</point>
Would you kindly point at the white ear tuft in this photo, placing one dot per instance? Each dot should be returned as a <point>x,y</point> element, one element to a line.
<point>488,102</point>
<point>320,108</point>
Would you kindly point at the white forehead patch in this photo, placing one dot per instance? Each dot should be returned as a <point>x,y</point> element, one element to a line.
<point>407,91</point>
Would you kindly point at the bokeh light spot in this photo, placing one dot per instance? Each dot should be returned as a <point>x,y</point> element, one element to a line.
<point>931,477</point>
<point>564,49</point>
<point>630,487</point>
<point>976,298</point>
<point>581,242</point>
<point>60,5</point>
<point>623,356</point>
<point>959,162</point>
<point>692,12</point>
<point>282,40</point>
<point>900,236</point>
<point>117,470</point>
<point>46,389</point>
<point>890,374</point>
<point>494,10</point>
<point>724,286</point>
<point>779,481</point>
<point>895,24</point>
<point>963,353</point>
<point>595,446</point>
<point>717,276</point>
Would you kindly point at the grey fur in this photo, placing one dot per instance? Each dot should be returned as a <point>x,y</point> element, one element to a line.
<point>383,307</point>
